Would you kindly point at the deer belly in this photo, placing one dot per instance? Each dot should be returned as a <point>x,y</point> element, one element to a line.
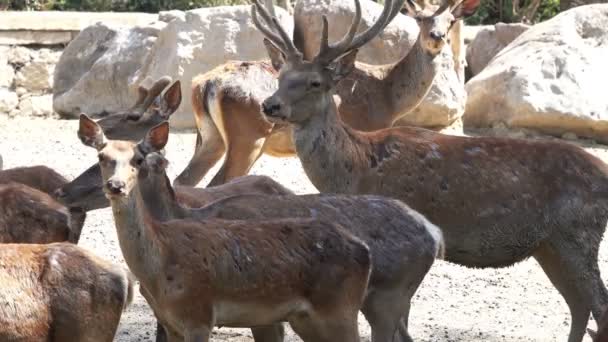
<point>254,313</point>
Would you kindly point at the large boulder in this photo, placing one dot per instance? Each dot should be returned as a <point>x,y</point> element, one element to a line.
<point>100,70</point>
<point>488,42</point>
<point>548,79</point>
<point>445,101</point>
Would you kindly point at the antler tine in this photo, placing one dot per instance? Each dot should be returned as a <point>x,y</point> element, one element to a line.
<point>388,13</point>
<point>396,8</point>
<point>282,41</point>
<point>327,52</point>
<point>270,34</point>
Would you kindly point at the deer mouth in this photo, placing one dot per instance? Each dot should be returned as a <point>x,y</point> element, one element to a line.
<point>276,118</point>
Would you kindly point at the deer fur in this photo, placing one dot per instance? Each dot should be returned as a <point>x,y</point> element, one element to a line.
<point>227,100</point>
<point>31,216</point>
<point>60,292</point>
<point>150,109</point>
<point>402,242</point>
<point>497,200</point>
<point>197,274</point>
<point>39,177</point>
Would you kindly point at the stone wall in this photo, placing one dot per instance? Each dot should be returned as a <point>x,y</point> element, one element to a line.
<point>30,46</point>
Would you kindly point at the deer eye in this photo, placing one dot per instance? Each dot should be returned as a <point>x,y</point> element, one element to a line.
<point>101,157</point>
<point>138,161</point>
<point>315,84</point>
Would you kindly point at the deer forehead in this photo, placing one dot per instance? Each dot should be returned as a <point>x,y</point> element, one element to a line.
<point>119,150</point>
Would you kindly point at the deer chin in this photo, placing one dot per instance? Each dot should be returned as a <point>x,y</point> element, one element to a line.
<point>276,118</point>
<point>115,196</point>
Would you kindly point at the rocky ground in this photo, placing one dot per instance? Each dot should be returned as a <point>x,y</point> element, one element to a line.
<point>454,303</point>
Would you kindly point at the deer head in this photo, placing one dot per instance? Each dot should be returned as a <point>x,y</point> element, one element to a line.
<point>435,22</point>
<point>119,159</point>
<point>151,109</point>
<point>301,82</point>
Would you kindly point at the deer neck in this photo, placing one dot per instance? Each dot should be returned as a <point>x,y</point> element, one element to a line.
<point>410,79</point>
<point>158,198</point>
<point>329,150</point>
<point>136,241</point>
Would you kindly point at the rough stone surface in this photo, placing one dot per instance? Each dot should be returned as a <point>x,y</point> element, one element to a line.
<point>19,55</point>
<point>488,42</point>
<point>8,101</point>
<point>99,70</point>
<point>36,76</point>
<point>36,105</point>
<point>445,101</point>
<point>549,78</point>
<point>7,74</point>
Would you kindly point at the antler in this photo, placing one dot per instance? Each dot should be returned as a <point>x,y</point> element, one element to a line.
<point>282,40</point>
<point>350,41</point>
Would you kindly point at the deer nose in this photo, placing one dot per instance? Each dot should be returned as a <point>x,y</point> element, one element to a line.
<point>270,108</point>
<point>437,35</point>
<point>114,186</point>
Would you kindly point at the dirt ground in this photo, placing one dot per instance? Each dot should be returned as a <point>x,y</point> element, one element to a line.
<point>454,303</point>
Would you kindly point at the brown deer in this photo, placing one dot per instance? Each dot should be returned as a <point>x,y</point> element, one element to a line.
<point>227,100</point>
<point>29,215</point>
<point>60,292</point>
<point>497,200</point>
<point>402,242</point>
<point>150,109</point>
<point>39,177</point>
<point>198,274</point>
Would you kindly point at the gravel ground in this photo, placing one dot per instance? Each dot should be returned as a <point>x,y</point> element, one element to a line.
<point>453,304</point>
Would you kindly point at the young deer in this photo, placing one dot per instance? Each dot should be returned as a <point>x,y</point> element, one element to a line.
<point>403,244</point>
<point>60,292</point>
<point>197,274</point>
<point>497,200</point>
<point>227,100</point>
<point>150,109</point>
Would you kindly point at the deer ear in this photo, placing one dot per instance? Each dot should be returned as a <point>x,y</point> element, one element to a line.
<point>156,138</point>
<point>343,66</point>
<point>171,100</point>
<point>465,8</point>
<point>277,58</point>
<point>90,133</point>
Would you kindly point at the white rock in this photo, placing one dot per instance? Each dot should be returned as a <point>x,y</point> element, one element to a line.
<point>488,42</point>
<point>98,71</point>
<point>36,77</point>
<point>37,105</point>
<point>8,101</point>
<point>19,55</point>
<point>549,79</point>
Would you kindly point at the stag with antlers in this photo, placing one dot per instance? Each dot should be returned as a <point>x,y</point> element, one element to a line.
<point>227,100</point>
<point>497,200</point>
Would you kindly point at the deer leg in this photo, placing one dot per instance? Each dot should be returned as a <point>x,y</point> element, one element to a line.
<point>200,334</point>
<point>383,310</point>
<point>564,272</point>
<point>208,150</point>
<point>269,333</point>
<point>240,157</point>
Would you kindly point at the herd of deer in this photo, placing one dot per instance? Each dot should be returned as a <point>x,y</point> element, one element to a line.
<point>248,252</point>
